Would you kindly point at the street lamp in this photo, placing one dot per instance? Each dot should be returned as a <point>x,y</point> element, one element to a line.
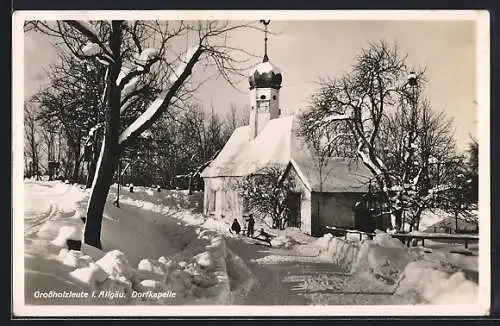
<point>412,79</point>
<point>412,83</point>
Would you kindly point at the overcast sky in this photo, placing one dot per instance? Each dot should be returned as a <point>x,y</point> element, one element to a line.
<point>308,50</point>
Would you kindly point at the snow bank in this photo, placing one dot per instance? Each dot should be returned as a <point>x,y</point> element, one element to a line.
<point>67,233</point>
<point>110,273</point>
<point>152,266</point>
<point>201,278</point>
<point>436,286</point>
<point>74,258</point>
<point>385,240</point>
<point>283,241</point>
<point>324,242</point>
<point>173,203</point>
<point>381,259</point>
<point>204,259</point>
<point>116,265</point>
<point>90,275</point>
<point>93,252</point>
<point>340,252</point>
<point>437,277</point>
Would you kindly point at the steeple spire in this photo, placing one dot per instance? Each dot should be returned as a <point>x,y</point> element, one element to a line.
<point>265,22</point>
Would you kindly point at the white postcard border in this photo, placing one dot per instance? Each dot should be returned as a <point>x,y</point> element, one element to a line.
<point>482,20</point>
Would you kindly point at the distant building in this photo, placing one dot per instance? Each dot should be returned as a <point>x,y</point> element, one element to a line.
<point>271,139</point>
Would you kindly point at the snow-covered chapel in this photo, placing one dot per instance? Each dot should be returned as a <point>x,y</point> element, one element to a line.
<point>272,139</point>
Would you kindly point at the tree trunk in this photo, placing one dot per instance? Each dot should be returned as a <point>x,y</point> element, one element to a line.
<point>398,218</point>
<point>100,190</point>
<point>92,167</point>
<point>110,151</point>
<point>190,184</point>
<point>75,175</point>
<point>417,218</point>
<point>93,162</point>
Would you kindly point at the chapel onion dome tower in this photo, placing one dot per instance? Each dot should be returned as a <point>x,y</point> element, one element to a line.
<point>265,84</point>
<point>265,75</point>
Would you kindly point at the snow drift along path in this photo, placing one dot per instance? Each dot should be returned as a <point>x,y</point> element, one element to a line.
<point>196,266</point>
<point>291,272</point>
<point>434,277</point>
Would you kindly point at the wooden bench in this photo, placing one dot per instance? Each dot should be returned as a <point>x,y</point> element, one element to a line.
<point>406,238</point>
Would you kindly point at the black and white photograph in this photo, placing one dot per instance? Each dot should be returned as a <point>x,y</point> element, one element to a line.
<point>239,163</point>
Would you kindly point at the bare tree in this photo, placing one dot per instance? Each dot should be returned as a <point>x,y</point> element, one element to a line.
<point>266,192</point>
<point>31,140</point>
<point>131,51</point>
<point>361,103</point>
<point>417,163</point>
<point>473,170</point>
<point>236,117</point>
<point>72,102</point>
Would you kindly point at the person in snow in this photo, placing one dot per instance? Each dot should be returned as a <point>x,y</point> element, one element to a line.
<point>250,225</point>
<point>236,226</point>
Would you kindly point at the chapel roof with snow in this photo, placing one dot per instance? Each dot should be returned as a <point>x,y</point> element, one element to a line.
<point>279,143</point>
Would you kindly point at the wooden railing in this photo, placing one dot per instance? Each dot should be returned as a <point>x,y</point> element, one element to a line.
<point>408,237</point>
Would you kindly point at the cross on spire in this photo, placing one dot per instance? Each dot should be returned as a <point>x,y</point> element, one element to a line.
<point>265,22</point>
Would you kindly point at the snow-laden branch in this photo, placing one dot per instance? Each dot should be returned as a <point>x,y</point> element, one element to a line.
<point>91,49</point>
<point>145,56</point>
<point>126,81</point>
<point>365,158</point>
<point>91,33</point>
<point>144,61</point>
<point>143,118</point>
<point>182,65</point>
<point>381,163</point>
<point>160,104</point>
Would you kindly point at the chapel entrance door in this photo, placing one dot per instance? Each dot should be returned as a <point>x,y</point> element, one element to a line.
<point>293,205</point>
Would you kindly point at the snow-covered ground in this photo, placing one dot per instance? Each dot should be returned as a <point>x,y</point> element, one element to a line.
<point>160,242</point>
<point>387,265</point>
<point>293,252</point>
<point>143,252</point>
